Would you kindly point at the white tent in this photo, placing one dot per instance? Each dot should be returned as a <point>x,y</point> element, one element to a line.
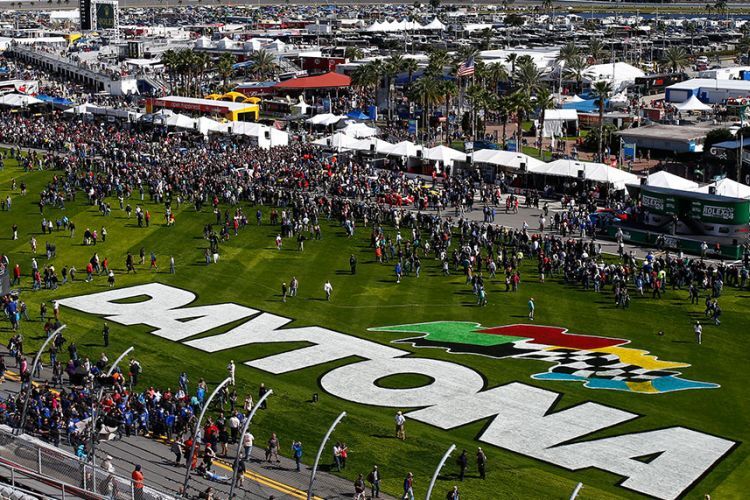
<point>444,154</point>
<point>598,172</point>
<point>670,181</point>
<point>692,104</point>
<point>18,100</point>
<point>555,119</point>
<point>507,159</point>
<point>727,187</point>
<point>337,141</point>
<point>81,109</point>
<point>359,130</point>
<point>404,149</point>
<point>206,125</point>
<point>325,119</point>
<point>435,24</point>
<point>180,121</point>
<point>621,74</point>
<point>371,144</point>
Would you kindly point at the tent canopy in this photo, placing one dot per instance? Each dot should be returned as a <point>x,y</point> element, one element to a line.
<point>670,181</point>
<point>727,187</point>
<point>444,154</point>
<point>359,130</point>
<point>507,159</point>
<point>326,81</point>
<point>692,104</point>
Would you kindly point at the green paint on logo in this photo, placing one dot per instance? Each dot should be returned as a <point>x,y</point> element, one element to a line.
<point>464,332</point>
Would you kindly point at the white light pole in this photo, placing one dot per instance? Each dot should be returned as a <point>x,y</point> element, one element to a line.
<point>576,491</point>
<point>226,382</point>
<point>54,334</point>
<point>97,402</point>
<point>320,451</point>
<point>437,470</point>
<point>242,436</point>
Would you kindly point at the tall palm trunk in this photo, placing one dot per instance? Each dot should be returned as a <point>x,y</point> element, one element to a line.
<point>601,127</point>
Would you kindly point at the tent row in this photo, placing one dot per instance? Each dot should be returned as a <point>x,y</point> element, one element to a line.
<point>722,187</point>
<point>404,149</point>
<point>404,25</point>
<point>267,136</point>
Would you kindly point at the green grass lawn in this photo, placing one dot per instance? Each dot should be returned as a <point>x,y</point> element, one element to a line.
<point>250,273</point>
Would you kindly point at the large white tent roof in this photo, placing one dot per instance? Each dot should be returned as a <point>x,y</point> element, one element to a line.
<point>664,179</point>
<point>727,187</point>
<point>507,159</point>
<point>692,104</point>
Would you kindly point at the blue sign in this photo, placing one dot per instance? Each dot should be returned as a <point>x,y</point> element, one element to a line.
<point>412,126</point>
<point>510,145</point>
<point>628,151</point>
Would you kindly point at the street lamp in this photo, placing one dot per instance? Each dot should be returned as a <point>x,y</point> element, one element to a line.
<point>242,435</point>
<point>54,334</point>
<point>226,382</point>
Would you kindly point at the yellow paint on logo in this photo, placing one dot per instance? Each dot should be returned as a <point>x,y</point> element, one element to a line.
<point>641,387</point>
<point>640,358</point>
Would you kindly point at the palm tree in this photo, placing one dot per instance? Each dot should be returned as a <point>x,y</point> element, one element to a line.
<point>353,53</point>
<point>567,52</point>
<point>721,7</point>
<point>602,90</point>
<point>596,49</point>
<point>426,91</point>
<point>675,58</point>
<point>547,6</point>
<point>264,64</point>
<point>576,69</point>
<point>494,74</point>
<point>511,59</point>
<point>743,47</point>
<point>171,61</point>
<point>544,101</point>
<point>486,35</point>
<point>449,89</point>
<point>225,68</point>
<point>504,107</point>
<point>439,59</point>
<point>521,105</point>
<point>410,66</point>
<point>528,77</point>
<point>391,69</point>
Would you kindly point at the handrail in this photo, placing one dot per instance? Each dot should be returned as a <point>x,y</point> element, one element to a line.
<point>49,481</point>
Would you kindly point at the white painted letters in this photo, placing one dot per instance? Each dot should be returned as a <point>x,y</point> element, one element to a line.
<point>523,419</point>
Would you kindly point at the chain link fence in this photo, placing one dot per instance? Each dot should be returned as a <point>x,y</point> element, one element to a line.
<point>29,454</point>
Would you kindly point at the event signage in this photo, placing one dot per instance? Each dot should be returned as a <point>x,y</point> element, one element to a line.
<point>732,213</point>
<point>653,203</point>
<point>662,462</point>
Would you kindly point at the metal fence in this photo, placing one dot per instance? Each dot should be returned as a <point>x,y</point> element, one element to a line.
<point>27,454</point>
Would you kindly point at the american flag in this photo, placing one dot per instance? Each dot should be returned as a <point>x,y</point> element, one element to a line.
<point>466,68</point>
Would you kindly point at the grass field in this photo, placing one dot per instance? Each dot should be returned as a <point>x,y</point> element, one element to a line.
<point>250,273</point>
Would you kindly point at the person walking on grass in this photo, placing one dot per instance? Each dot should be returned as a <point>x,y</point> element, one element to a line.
<point>284,291</point>
<point>698,329</point>
<point>408,487</point>
<point>328,289</point>
<point>374,479</point>
<point>359,488</point>
<point>400,426</point>
<point>532,307</point>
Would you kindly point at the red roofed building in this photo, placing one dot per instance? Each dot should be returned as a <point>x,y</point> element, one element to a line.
<point>326,81</point>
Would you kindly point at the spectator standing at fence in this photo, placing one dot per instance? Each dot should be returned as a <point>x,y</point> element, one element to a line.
<point>297,453</point>
<point>359,488</point>
<point>247,444</point>
<point>408,487</point>
<point>374,479</point>
<point>241,469</point>
<point>137,477</point>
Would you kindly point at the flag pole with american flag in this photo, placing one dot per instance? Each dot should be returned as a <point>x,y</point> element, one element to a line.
<point>465,70</point>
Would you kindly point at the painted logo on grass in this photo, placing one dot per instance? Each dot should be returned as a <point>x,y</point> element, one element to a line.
<point>598,362</point>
